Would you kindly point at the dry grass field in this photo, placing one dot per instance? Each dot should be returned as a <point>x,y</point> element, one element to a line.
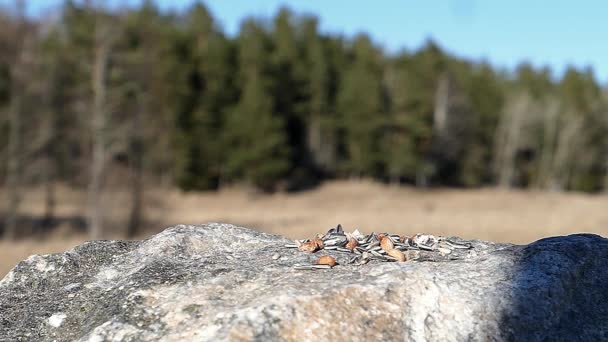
<point>492,214</point>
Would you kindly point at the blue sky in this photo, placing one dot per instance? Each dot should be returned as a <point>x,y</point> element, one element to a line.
<point>545,32</point>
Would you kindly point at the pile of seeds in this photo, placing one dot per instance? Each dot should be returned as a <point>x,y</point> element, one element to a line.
<point>375,246</point>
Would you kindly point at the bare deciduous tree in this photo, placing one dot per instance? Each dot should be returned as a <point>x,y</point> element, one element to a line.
<point>104,37</point>
<point>442,102</point>
<point>136,158</point>
<point>549,116</point>
<point>568,142</point>
<point>18,60</point>
<point>508,138</point>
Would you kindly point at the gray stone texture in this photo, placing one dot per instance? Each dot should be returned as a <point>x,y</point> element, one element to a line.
<point>220,282</point>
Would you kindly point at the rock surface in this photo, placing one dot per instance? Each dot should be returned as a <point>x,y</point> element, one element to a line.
<point>221,282</point>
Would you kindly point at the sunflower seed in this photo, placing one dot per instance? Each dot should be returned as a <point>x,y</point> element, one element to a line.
<point>426,248</point>
<point>338,230</point>
<point>372,245</point>
<point>376,253</point>
<point>335,241</point>
<point>311,267</point>
<point>458,245</point>
<point>303,267</point>
<point>444,250</point>
<point>376,246</point>
<point>363,261</point>
<point>379,257</point>
<point>320,267</point>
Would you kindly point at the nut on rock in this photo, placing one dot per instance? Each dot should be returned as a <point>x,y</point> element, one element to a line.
<point>326,260</point>
<point>312,246</point>
<point>352,243</point>
<point>386,243</point>
<point>397,254</point>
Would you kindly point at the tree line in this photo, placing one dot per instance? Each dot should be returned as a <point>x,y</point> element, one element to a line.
<point>280,106</point>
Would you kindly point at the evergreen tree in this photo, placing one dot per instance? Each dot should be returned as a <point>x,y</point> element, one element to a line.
<point>485,98</point>
<point>362,108</point>
<point>147,63</point>
<point>74,53</point>
<point>321,137</point>
<point>417,81</point>
<point>283,105</point>
<point>290,97</point>
<point>208,75</point>
<point>405,130</point>
<point>255,135</point>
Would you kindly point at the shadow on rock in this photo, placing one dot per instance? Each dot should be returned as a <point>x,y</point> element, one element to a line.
<point>559,291</point>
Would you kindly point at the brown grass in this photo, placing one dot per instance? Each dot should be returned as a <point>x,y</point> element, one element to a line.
<point>491,214</point>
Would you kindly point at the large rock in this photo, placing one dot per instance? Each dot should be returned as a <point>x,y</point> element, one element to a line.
<point>221,282</point>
